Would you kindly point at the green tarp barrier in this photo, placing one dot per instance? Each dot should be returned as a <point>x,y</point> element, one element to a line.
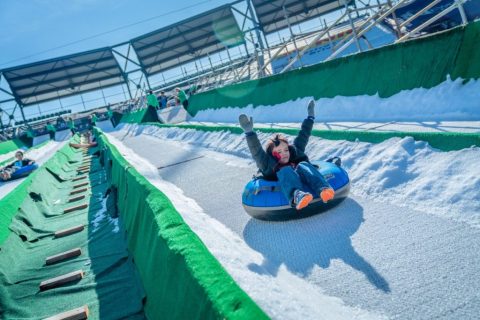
<point>413,64</point>
<point>143,115</point>
<point>445,141</point>
<point>12,201</point>
<point>182,279</point>
<point>111,287</point>
<point>11,145</point>
<point>9,206</point>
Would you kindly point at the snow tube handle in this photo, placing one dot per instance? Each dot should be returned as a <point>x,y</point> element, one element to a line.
<point>266,188</point>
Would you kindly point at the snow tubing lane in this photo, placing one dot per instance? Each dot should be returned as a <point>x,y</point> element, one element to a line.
<point>23,172</point>
<point>264,200</point>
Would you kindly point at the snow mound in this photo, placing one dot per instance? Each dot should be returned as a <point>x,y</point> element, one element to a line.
<point>400,171</point>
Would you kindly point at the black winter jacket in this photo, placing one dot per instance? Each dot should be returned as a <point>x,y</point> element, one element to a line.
<point>25,162</point>
<point>266,162</point>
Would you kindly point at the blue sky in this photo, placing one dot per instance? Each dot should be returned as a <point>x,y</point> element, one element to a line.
<point>32,29</point>
<point>35,30</point>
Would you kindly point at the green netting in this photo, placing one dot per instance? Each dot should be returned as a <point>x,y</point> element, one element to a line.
<point>419,63</point>
<point>116,118</point>
<point>111,287</point>
<point>11,145</point>
<point>12,201</point>
<point>10,204</point>
<point>182,279</point>
<point>467,62</point>
<point>143,115</point>
<point>445,141</point>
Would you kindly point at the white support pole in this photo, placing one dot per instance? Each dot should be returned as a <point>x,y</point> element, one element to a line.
<point>462,11</point>
<point>432,20</point>
<point>312,42</point>
<point>348,43</point>
<point>292,35</point>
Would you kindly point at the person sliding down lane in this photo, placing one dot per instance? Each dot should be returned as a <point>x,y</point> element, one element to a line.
<point>7,171</point>
<point>289,163</point>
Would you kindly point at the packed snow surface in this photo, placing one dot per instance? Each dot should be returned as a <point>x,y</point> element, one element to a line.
<point>400,171</point>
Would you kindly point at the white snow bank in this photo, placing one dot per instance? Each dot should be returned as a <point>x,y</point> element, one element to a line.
<point>286,296</point>
<point>398,171</point>
<point>450,100</point>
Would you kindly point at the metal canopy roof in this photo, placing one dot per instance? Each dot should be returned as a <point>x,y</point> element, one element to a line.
<point>64,76</point>
<point>188,40</point>
<point>272,18</point>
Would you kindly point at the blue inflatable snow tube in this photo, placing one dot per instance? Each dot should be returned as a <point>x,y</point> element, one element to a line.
<point>264,200</point>
<point>24,171</point>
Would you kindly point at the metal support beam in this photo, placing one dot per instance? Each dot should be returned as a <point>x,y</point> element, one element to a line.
<point>1,120</point>
<point>312,42</point>
<point>126,57</point>
<point>23,114</point>
<point>231,62</point>
<point>419,13</point>
<point>83,102</point>
<point>398,31</point>
<point>257,31</point>
<point>103,96</point>
<point>9,93</point>
<point>292,35</point>
<point>380,18</point>
<point>7,100</point>
<point>352,25</point>
<point>462,11</point>
<point>452,7</point>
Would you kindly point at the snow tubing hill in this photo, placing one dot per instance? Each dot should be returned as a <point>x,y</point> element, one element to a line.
<point>264,200</point>
<point>23,172</point>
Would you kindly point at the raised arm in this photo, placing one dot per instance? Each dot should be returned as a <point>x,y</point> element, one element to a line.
<point>301,140</point>
<point>262,159</point>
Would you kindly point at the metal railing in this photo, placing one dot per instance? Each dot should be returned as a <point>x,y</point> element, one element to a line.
<point>458,4</point>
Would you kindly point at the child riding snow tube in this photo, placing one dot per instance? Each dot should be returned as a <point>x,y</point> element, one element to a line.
<point>264,200</point>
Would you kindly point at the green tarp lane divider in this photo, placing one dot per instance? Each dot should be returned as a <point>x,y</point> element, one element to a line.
<point>386,71</point>
<point>11,145</point>
<point>10,203</point>
<point>110,285</point>
<point>181,278</point>
<point>139,116</point>
<point>445,141</point>
<point>7,161</point>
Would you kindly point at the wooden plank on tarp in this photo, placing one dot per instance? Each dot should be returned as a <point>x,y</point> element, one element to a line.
<point>74,314</point>
<point>61,280</point>
<point>63,256</point>
<point>69,231</point>
<point>75,208</point>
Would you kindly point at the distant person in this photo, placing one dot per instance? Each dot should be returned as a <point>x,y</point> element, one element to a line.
<point>60,123</point>
<point>7,171</point>
<point>51,130</point>
<point>93,119</point>
<point>71,125</point>
<point>110,116</point>
<point>182,97</point>
<point>162,99</point>
<point>152,100</point>
<point>192,90</point>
